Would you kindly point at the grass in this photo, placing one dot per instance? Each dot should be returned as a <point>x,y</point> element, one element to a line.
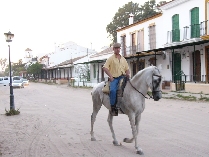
<point>12,112</point>
<point>84,87</point>
<point>204,98</point>
<point>189,98</point>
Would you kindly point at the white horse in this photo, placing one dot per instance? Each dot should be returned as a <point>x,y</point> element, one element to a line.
<point>133,101</point>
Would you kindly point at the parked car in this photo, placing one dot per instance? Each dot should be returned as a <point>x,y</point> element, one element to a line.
<point>5,81</point>
<point>17,78</point>
<point>25,82</point>
<point>18,84</point>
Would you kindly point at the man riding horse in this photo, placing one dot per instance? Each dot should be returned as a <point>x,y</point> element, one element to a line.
<point>116,67</point>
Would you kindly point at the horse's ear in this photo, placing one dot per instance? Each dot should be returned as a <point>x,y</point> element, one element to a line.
<point>160,67</point>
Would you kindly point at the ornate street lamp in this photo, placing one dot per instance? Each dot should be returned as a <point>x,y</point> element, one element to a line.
<point>9,37</point>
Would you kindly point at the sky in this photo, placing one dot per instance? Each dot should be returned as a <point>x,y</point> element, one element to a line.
<point>39,24</point>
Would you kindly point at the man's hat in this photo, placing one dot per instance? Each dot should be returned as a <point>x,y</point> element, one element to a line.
<point>116,45</point>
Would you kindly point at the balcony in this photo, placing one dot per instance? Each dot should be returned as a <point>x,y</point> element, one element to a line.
<point>131,50</point>
<point>188,34</point>
<point>194,78</point>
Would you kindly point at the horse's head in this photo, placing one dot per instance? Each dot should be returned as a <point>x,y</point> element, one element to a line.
<point>154,83</point>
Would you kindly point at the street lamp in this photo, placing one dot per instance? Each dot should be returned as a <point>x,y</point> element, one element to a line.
<point>9,37</point>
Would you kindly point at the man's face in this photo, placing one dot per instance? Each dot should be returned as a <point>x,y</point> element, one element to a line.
<point>116,50</point>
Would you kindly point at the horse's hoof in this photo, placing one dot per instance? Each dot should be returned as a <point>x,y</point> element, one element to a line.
<point>139,152</point>
<point>116,143</point>
<point>93,139</point>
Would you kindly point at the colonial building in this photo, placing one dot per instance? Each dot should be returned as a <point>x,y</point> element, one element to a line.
<point>59,65</point>
<point>177,38</point>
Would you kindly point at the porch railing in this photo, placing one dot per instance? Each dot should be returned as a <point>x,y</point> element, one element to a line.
<point>188,32</point>
<point>194,78</point>
<point>130,50</point>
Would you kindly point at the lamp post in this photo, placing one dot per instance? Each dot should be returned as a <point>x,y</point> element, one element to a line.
<point>9,37</point>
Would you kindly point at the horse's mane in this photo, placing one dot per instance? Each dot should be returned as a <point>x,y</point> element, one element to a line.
<point>139,73</point>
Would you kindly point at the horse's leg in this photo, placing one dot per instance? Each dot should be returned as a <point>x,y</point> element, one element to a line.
<point>138,149</point>
<point>109,120</point>
<point>133,127</point>
<point>134,121</point>
<point>96,108</point>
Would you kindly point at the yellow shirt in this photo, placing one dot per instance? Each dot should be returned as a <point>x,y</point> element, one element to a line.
<point>115,66</point>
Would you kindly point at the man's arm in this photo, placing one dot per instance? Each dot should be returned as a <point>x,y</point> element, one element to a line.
<point>128,73</point>
<point>108,73</point>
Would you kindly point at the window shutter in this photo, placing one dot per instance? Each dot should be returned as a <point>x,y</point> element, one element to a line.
<point>195,27</point>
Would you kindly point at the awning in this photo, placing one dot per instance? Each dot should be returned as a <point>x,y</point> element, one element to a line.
<point>176,46</point>
<point>93,61</point>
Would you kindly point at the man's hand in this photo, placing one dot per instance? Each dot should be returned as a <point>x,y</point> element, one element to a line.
<point>111,79</point>
<point>128,76</point>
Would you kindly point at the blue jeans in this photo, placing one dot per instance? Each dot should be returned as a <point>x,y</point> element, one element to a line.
<point>113,89</point>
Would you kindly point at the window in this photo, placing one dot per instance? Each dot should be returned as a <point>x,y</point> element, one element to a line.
<point>195,26</point>
<point>123,45</point>
<point>133,43</point>
<point>133,37</point>
<point>152,37</point>
<point>175,28</point>
<point>140,44</point>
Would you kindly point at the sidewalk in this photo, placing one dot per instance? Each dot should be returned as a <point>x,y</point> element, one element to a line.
<point>167,94</point>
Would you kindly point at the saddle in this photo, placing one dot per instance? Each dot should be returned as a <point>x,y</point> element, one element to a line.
<point>121,87</point>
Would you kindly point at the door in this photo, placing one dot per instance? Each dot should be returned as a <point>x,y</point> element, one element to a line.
<point>152,61</point>
<point>141,65</point>
<point>207,64</point>
<point>197,66</point>
<point>102,71</point>
<point>134,68</point>
<point>177,63</point>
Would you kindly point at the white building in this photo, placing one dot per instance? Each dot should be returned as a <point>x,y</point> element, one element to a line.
<point>180,34</point>
<point>59,65</point>
<point>28,55</point>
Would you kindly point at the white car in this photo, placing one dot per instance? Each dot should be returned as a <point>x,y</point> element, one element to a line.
<point>25,82</point>
<point>17,84</point>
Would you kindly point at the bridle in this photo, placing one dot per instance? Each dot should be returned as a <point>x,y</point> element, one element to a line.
<point>153,91</point>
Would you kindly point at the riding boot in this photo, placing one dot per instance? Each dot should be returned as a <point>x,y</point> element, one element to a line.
<point>119,101</point>
<point>114,111</point>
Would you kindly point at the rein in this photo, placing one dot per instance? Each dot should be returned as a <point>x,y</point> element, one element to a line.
<point>153,91</point>
<point>141,92</point>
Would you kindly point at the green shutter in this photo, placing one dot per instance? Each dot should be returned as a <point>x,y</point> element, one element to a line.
<point>175,28</point>
<point>177,63</point>
<point>94,67</point>
<point>195,26</point>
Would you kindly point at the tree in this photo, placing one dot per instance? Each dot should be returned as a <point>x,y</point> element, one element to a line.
<point>121,18</point>
<point>3,63</point>
<point>83,71</point>
<point>159,4</point>
<point>34,69</point>
<point>16,68</point>
<point>148,9</point>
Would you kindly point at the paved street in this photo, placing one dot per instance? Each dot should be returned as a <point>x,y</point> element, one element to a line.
<point>55,121</point>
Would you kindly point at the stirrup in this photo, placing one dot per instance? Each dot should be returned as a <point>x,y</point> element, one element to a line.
<point>114,111</point>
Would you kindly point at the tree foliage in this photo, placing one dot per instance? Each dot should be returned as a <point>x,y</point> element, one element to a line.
<point>34,69</point>
<point>3,63</point>
<point>16,68</point>
<point>121,18</point>
<point>82,71</point>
